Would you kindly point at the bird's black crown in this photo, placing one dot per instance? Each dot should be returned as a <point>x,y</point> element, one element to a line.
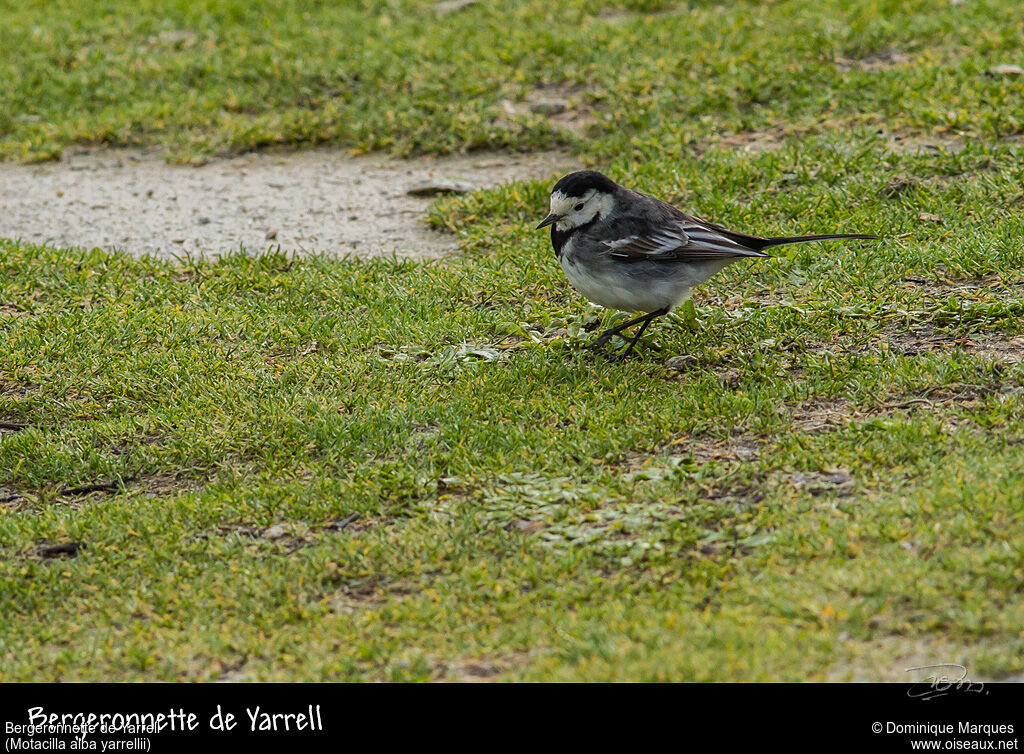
<point>582,181</point>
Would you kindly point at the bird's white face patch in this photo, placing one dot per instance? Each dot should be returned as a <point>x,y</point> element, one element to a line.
<point>575,211</point>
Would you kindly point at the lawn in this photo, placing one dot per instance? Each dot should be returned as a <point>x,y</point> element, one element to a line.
<point>305,468</point>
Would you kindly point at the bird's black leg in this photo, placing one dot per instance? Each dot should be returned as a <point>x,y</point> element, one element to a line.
<point>647,319</point>
<point>612,332</point>
<point>621,355</point>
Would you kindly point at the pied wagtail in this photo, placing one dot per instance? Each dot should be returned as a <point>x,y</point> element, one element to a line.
<point>629,251</point>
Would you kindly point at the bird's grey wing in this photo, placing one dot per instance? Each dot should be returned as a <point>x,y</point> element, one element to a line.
<point>679,238</point>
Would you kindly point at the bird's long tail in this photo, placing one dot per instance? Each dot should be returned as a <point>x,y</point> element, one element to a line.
<point>784,240</point>
<point>757,242</point>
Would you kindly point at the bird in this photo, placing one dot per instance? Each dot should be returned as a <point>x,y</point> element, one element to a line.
<point>629,251</point>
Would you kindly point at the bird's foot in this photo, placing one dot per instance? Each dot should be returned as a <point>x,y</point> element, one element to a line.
<point>604,338</point>
<point>643,321</point>
<point>621,356</point>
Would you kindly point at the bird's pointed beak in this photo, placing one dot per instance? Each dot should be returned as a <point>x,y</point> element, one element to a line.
<point>548,220</point>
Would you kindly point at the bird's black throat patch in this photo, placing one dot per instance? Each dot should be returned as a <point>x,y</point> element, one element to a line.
<point>559,238</point>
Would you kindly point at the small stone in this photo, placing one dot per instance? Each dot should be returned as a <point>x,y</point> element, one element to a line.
<point>439,186</point>
<point>450,6</point>
<point>549,106</point>
<point>277,531</point>
<point>271,235</point>
<point>177,240</point>
<point>836,478</point>
<point>1006,70</point>
<point>203,221</point>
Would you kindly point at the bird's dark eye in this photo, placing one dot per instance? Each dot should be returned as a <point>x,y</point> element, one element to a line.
<point>578,207</point>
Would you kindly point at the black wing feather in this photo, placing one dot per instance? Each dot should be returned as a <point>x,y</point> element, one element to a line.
<point>658,232</point>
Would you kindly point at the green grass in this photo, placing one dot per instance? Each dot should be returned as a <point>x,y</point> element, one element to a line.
<point>831,488</point>
<point>392,74</point>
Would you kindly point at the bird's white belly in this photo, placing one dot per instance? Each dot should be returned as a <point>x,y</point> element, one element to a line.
<point>617,292</point>
<point>612,287</point>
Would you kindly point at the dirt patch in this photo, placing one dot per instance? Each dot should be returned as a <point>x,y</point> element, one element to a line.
<point>316,201</point>
<point>15,389</point>
<point>11,310</point>
<point>288,536</point>
<point>875,62</point>
<point>897,143</point>
<point>946,284</point>
<point>754,142</point>
<point>745,447</point>
<point>817,483</point>
<point>817,416</point>
<point>769,139</point>
<point>9,498</point>
<point>935,143</point>
<point>902,659</point>
<point>626,14</point>
<point>938,142</point>
<point>564,107</point>
<point>897,186</point>
<point>346,594</point>
<point>78,495</point>
<point>478,670</point>
<point>1005,350</point>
